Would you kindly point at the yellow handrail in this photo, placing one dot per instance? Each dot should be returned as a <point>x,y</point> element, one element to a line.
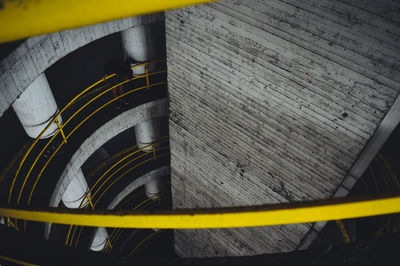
<point>117,163</point>
<point>304,212</point>
<point>115,234</point>
<point>72,116</point>
<point>102,194</point>
<point>164,139</point>
<point>55,118</point>
<point>47,127</point>
<point>83,121</point>
<point>130,169</point>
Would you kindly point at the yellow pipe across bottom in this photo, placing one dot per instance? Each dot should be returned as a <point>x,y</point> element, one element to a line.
<point>304,212</point>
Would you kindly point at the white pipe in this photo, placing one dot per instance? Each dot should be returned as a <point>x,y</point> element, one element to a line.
<point>147,132</point>
<point>76,191</point>
<point>153,188</point>
<point>99,239</point>
<point>139,44</point>
<point>72,198</point>
<point>35,108</point>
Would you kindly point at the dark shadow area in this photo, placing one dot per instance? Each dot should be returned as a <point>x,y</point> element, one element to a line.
<point>381,251</point>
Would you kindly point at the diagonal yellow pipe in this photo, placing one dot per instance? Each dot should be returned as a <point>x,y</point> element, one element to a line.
<point>303,212</point>
<point>25,18</point>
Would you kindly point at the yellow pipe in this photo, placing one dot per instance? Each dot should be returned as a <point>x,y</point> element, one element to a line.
<point>305,212</point>
<point>27,18</point>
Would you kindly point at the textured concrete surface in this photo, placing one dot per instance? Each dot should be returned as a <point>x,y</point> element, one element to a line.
<point>36,54</point>
<point>273,101</point>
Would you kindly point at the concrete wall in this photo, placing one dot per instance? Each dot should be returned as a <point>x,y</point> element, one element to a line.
<point>37,54</point>
<point>273,101</point>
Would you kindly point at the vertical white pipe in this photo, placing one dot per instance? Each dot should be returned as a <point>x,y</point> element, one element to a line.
<point>147,132</point>
<point>72,198</point>
<point>76,191</point>
<point>99,239</point>
<point>139,44</point>
<point>35,108</point>
<point>153,188</point>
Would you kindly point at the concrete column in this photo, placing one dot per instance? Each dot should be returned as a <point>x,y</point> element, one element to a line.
<point>76,191</point>
<point>153,188</point>
<point>99,239</point>
<point>147,132</point>
<point>72,198</point>
<point>139,43</point>
<point>35,107</point>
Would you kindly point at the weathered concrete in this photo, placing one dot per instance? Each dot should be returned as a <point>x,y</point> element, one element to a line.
<point>118,124</point>
<point>37,54</point>
<point>273,101</point>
